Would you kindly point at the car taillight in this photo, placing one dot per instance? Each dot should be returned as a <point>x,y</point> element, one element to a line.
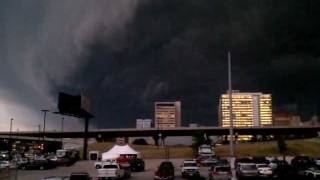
<point>116,171</point>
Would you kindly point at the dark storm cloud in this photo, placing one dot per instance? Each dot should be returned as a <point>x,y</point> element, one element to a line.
<point>128,54</point>
<point>42,43</point>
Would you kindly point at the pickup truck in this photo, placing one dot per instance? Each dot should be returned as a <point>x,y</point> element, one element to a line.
<point>112,170</point>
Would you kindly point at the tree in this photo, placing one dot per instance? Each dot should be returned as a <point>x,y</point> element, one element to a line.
<point>282,146</point>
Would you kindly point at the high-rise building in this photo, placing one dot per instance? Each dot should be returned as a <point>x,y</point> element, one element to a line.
<point>249,109</point>
<point>167,114</point>
<point>143,123</point>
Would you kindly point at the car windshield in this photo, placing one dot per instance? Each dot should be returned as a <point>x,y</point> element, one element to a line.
<point>249,167</point>
<point>189,164</point>
<point>110,166</point>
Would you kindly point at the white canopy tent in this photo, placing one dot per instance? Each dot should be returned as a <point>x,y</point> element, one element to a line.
<point>117,150</point>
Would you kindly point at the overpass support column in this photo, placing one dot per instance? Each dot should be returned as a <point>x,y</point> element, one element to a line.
<point>85,139</point>
<point>156,140</point>
<point>162,141</point>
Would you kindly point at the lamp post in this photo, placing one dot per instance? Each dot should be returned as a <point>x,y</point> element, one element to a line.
<point>44,121</point>
<point>62,119</point>
<point>39,130</point>
<point>10,128</point>
<point>230,106</point>
<point>10,137</point>
<point>231,117</point>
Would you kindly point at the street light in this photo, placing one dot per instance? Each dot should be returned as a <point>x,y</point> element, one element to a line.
<point>10,138</point>
<point>39,130</point>
<point>10,128</point>
<point>231,117</point>
<point>62,131</point>
<point>44,120</point>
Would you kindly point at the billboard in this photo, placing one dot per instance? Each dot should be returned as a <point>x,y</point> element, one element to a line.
<point>71,105</point>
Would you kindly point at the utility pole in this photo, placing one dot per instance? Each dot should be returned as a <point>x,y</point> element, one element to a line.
<point>10,136</point>
<point>230,106</point>
<point>231,118</point>
<point>44,124</point>
<point>39,130</point>
<point>10,128</point>
<point>62,119</point>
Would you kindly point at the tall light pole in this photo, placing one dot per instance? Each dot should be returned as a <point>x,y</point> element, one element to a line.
<point>39,129</point>
<point>62,119</point>
<point>10,128</point>
<point>44,121</point>
<point>10,137</point>
<point>230,106</point>
<point>231,118</point>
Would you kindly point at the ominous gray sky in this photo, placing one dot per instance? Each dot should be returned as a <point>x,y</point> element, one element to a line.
<point>40,42</point>
<point>130,53</point>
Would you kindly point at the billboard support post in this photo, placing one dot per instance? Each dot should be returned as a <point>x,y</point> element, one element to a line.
<point>85,139</point>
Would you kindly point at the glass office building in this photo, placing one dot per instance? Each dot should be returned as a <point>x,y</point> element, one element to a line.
<point>249,110</point>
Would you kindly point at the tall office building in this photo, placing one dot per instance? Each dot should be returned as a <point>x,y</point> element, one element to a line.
<point>167,114</point>
<point>143,123</point>
<point>249,109</point>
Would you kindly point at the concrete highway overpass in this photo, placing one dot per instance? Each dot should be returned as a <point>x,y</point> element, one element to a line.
<point>181,131</point>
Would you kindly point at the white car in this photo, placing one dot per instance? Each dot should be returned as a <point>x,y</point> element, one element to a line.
<point>6,164</point>
<point>312,173</point>
<point>98,164</point>
<point>264,170</point>
<point>112,170</point>
<point>190,169</point>
<point>317,161</point>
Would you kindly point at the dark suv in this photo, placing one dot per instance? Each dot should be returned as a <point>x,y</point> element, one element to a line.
<point>301,163</point>
<point>165,171</point>
<point>137,164</point>
<point>37,164</point>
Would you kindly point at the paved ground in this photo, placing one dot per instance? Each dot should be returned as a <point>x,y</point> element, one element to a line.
<point>88,166</point>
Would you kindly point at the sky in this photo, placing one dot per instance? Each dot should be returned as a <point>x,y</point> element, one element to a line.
<point>129,54</point>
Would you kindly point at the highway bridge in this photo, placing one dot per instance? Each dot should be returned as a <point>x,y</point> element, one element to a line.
<point>181,131</point>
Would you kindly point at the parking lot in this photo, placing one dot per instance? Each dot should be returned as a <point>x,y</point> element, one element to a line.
<point>88,166</point>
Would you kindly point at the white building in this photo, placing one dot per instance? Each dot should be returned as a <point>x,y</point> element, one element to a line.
<point>143,123</point>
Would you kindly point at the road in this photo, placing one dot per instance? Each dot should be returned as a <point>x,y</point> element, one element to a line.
<point>87,166</point>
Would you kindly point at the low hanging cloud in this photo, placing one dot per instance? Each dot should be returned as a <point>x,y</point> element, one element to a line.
<point>129,54</point>
<point>44,42</point>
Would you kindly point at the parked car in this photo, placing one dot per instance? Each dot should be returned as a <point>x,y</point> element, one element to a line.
<point>247,170</point>
<point>190,169</point>
<point>301,163</point>
<point>317,161</point>
<point>113,170</point>
<point>165,171</point>
<point>37,164</point>
<point>7,164</point>
<point>312,173</point>
<point>137,164</point>
<point>284,170</point>
<point>264,170</point>
<point>209,160</point>
<point>80,176</point>
<point>67,157</point>
<point>220,172</point>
